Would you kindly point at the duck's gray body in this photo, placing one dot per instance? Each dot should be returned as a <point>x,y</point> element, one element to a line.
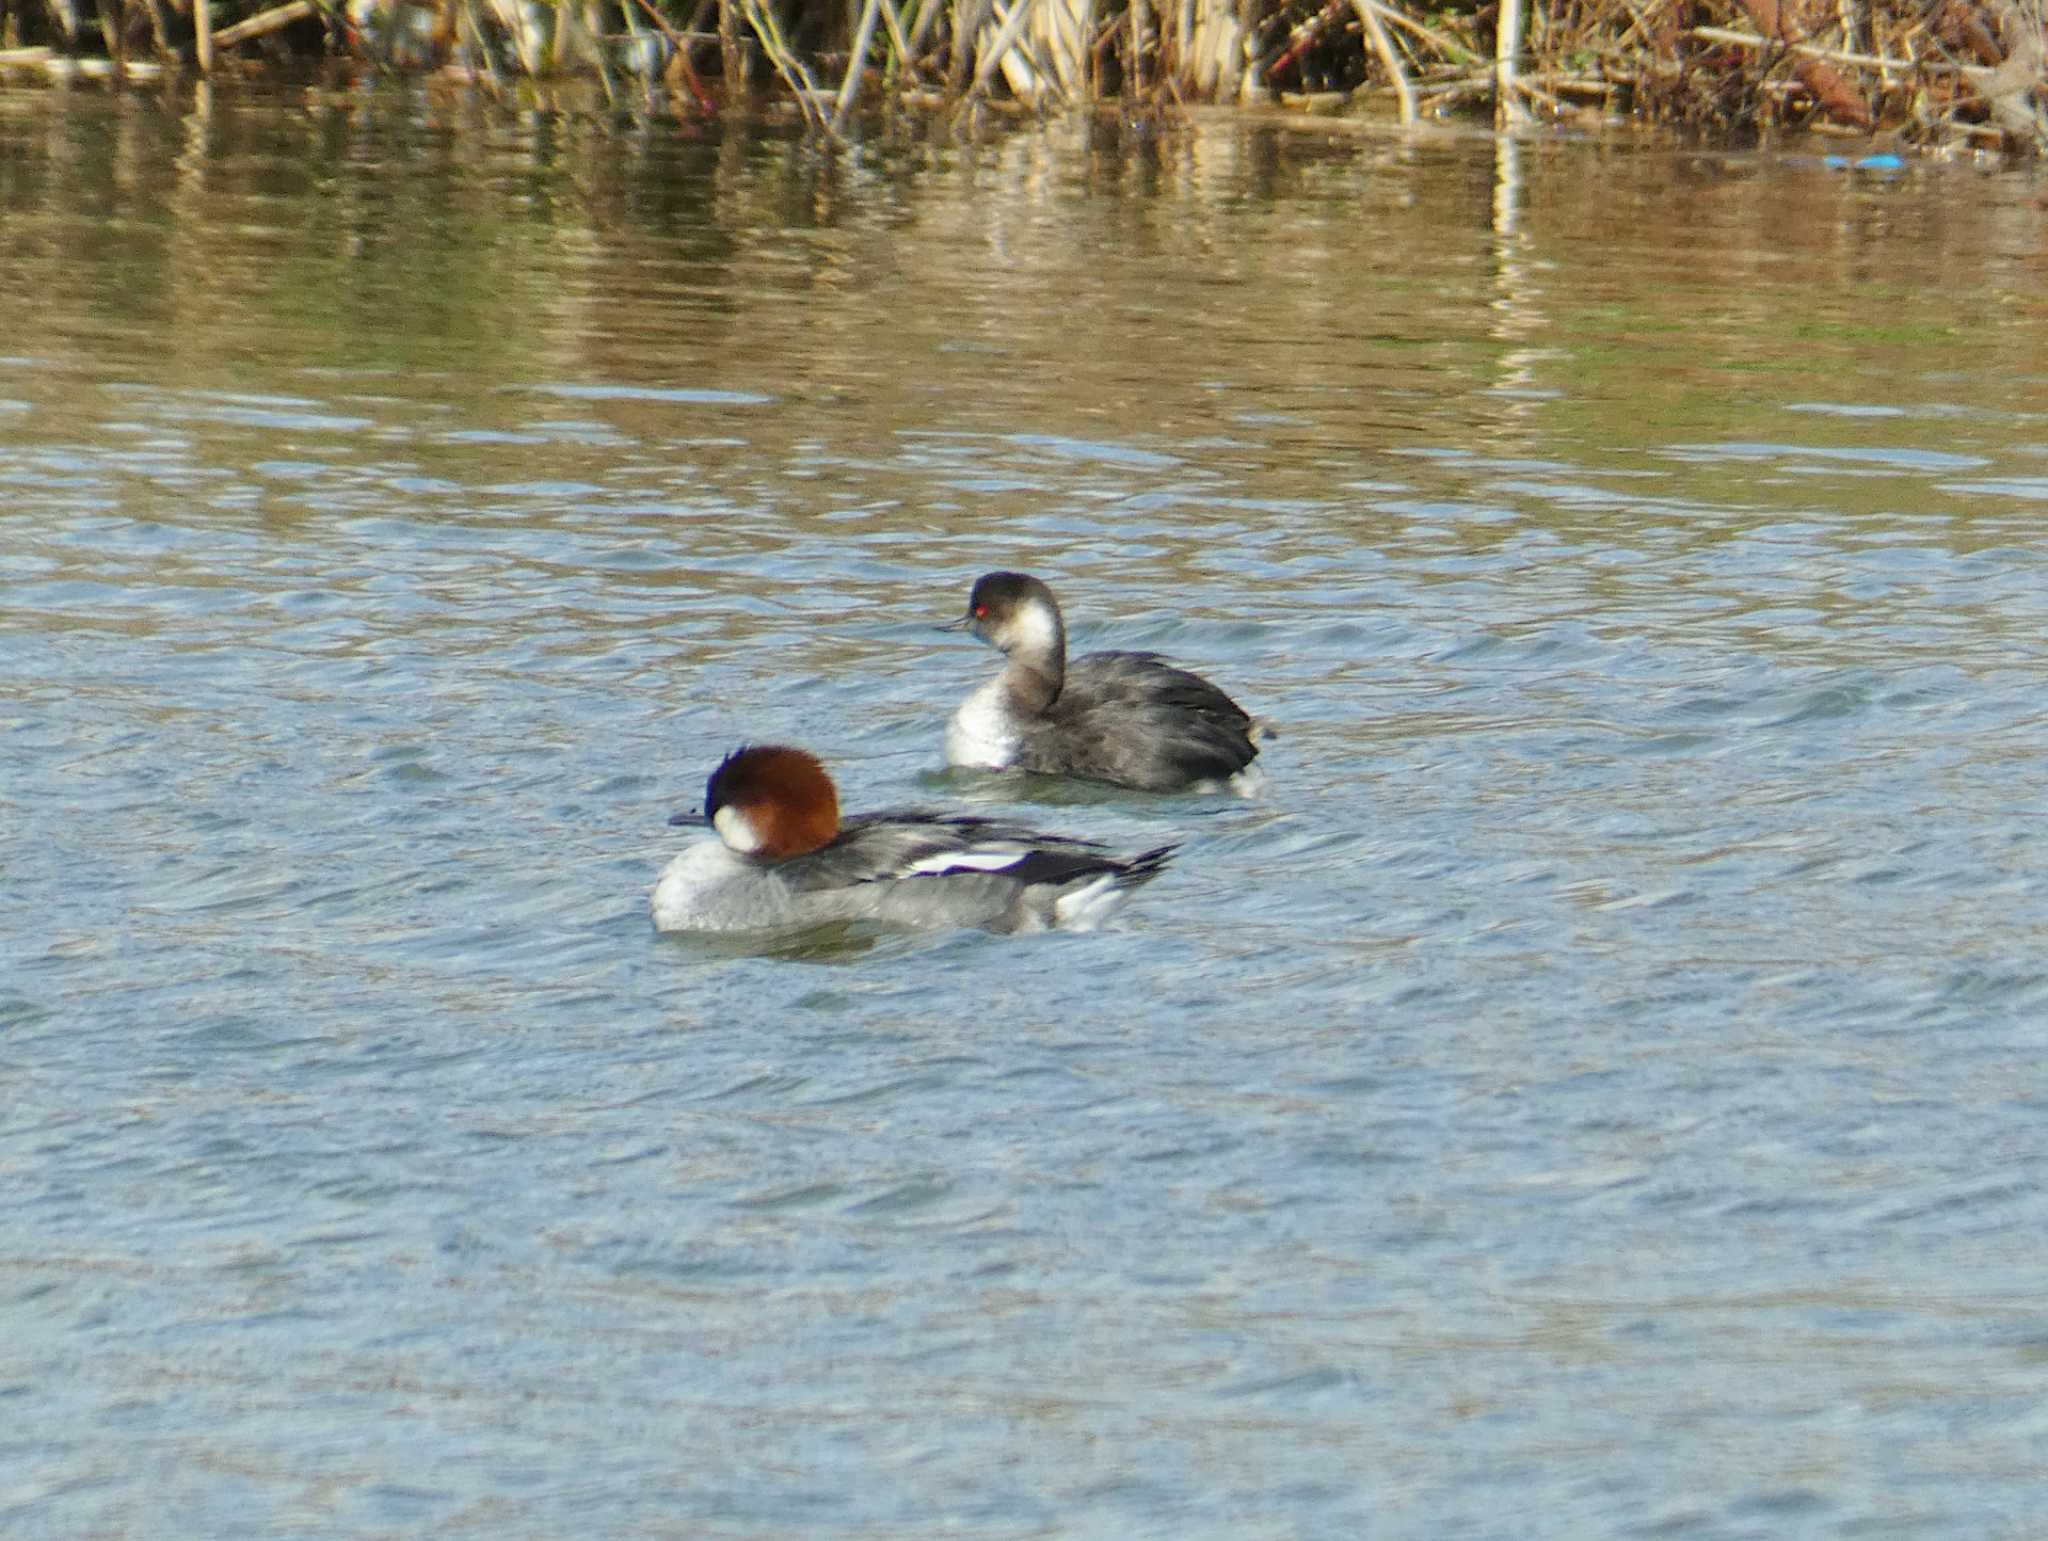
<point>905,868</point>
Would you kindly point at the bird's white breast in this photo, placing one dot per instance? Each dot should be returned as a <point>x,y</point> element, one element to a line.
<point>981,733</point>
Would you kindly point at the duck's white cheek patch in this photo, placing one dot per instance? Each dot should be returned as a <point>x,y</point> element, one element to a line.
<point>966,861</point>
<point>735,830</point>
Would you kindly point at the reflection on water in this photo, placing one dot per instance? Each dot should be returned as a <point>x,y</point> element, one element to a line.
<point>1588,1095</point>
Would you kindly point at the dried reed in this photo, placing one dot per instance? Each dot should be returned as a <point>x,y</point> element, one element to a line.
<point>1924,73</point>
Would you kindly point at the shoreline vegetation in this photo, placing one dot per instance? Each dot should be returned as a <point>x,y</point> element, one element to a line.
<point>1924,75</point>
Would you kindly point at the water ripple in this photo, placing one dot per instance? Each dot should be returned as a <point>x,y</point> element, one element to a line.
<point>1587,1094</point>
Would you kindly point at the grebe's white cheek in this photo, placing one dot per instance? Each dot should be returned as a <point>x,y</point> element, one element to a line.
<point>736,830</point>
<point>1033,628</point>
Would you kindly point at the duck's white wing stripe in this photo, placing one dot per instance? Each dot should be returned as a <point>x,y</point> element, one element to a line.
<point>967,861</point>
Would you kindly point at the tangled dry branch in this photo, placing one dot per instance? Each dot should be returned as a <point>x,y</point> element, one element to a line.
<point>1931,73</point>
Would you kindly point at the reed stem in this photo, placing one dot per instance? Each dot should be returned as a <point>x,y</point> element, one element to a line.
<point>862,37</point>
<point>1383,46</point>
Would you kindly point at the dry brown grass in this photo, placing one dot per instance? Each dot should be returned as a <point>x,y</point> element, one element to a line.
<point>1940,74</point>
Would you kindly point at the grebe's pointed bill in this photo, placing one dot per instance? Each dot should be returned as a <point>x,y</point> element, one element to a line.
<point>965,620</point>
<point>688,818</point>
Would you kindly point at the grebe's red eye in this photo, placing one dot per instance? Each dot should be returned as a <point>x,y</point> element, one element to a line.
<point>981,612</point>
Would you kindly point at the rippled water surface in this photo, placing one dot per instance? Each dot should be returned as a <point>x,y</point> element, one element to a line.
<point>1596,1091</point>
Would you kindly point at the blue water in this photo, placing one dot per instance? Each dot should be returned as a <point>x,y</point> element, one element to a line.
<point>1592,1094</point>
